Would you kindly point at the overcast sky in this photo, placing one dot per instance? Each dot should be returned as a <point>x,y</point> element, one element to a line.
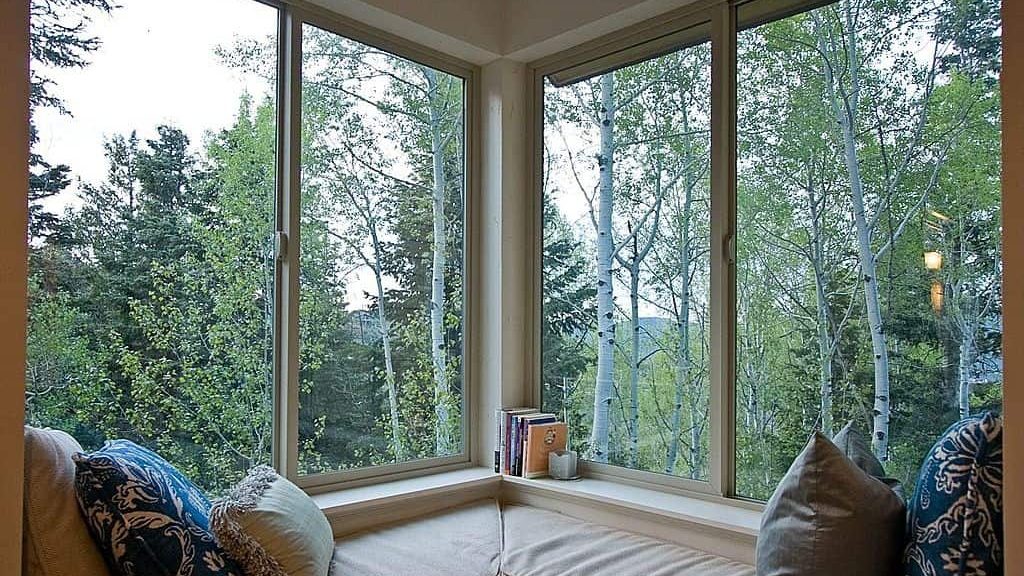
<point>156,66</point>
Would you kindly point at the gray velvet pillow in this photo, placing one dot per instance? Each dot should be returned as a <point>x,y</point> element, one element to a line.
<point>852,442</point>
<point>830,517</point>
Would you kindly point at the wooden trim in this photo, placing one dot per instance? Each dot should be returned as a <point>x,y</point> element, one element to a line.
<point>1013,280</point>
<point>288,217</point>
<point>14,141</point>
<point>295,15</point>
<point>722,410</point>
<point>642,478</point>
<point>631,513</point>
<point>344,479</point>
<point>358,509</point>
<point>534,140</point>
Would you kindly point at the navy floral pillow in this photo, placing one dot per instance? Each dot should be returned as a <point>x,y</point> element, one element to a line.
<point>145,515</point>
<point>955,520</point>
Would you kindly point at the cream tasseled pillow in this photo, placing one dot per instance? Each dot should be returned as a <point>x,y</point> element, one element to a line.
<point>272,528</point>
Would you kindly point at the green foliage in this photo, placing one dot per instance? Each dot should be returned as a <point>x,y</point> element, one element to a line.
<point>926,142</point>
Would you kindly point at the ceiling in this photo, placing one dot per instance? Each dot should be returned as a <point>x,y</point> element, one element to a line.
<point>483,30</point>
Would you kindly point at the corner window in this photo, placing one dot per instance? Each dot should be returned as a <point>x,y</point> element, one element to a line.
<point>626,262</point>
<point>381,276</point>
<point>188,294</point>
<point>840,261</point>
<point>869,258</point>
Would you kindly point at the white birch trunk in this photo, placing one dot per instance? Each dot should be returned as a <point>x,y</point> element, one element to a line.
<point>825,348</point>
<point>964,372</point>
<point>682,330</point>
<point>438,354</point>
<point>385,336</point>
<point>605,294</point>
<point>634,358</point>
<point>845,107</point>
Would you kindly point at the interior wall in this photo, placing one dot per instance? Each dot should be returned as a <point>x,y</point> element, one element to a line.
<point>466,29</point>
<point>1013,281</point>
<point>534,29</point>
<point>13,206</point>
<point>530,21</point>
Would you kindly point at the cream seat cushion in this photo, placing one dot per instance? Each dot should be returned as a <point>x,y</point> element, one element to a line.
<point>464,541</point>
<point>543,543</point>
<point>56,540</point>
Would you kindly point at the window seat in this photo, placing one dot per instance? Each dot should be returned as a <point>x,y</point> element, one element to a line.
<point>722,528</point>
<point>485,538</point>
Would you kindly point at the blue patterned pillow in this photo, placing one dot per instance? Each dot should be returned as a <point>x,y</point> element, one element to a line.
<point>146,516</point>
<point>955,521</point>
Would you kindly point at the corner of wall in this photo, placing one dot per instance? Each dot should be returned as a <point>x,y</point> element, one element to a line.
<point>503,280</point>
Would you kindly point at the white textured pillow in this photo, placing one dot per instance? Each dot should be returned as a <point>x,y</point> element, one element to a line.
<point>272,528</point>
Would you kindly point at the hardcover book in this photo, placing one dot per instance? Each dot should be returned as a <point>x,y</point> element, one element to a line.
<point>521,432</point>
<point>540,441</point>
<point>505,436</point>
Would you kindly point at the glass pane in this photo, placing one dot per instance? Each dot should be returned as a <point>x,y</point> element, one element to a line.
<point>151,200</point>
<point>869,233</point>
<point>626,268</point>
<point>380,321</point>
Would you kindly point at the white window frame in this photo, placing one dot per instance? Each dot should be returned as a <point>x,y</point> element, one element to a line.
<point>292,16</point>
<point>717,21</point>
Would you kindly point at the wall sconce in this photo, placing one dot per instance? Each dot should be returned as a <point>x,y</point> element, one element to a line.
<point>932,260</point>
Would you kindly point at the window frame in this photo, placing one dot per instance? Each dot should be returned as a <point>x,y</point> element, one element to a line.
<point>293,15</point>
<point>676,30</point>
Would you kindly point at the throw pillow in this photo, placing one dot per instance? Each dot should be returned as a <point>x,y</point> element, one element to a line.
<point>827,516</point>
<point>851,442</point>
<point>854,444</point>
<point>272,527</point>
<point>146,517</point>
<point>54,529</point>
<point>955,522</point>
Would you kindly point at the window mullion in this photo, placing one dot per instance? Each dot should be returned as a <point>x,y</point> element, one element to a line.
<point>723,249</point>
<point>286,362</point>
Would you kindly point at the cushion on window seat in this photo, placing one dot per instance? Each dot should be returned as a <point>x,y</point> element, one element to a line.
<point>543,543</point>
<point>464,541</point>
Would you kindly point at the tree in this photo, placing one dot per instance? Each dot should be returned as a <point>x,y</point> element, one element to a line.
<point>58,38</point>
<point>418,191</point>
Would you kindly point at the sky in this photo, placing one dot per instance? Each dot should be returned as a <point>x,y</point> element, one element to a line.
<point>156,65</point>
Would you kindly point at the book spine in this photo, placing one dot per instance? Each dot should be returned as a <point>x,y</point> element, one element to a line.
<point>506,443</point>
<point>514,449</point>
<point>521,461</point>
<point>498,414</point>
<point>526,448</point>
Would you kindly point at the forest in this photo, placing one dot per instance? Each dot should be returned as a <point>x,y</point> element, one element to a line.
<point>152,292</point>
<point>868,260</point>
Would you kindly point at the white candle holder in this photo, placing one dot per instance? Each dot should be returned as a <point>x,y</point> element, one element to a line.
<point>562,465</point>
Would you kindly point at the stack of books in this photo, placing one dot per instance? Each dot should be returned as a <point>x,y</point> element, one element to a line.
<point>524,437</point>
